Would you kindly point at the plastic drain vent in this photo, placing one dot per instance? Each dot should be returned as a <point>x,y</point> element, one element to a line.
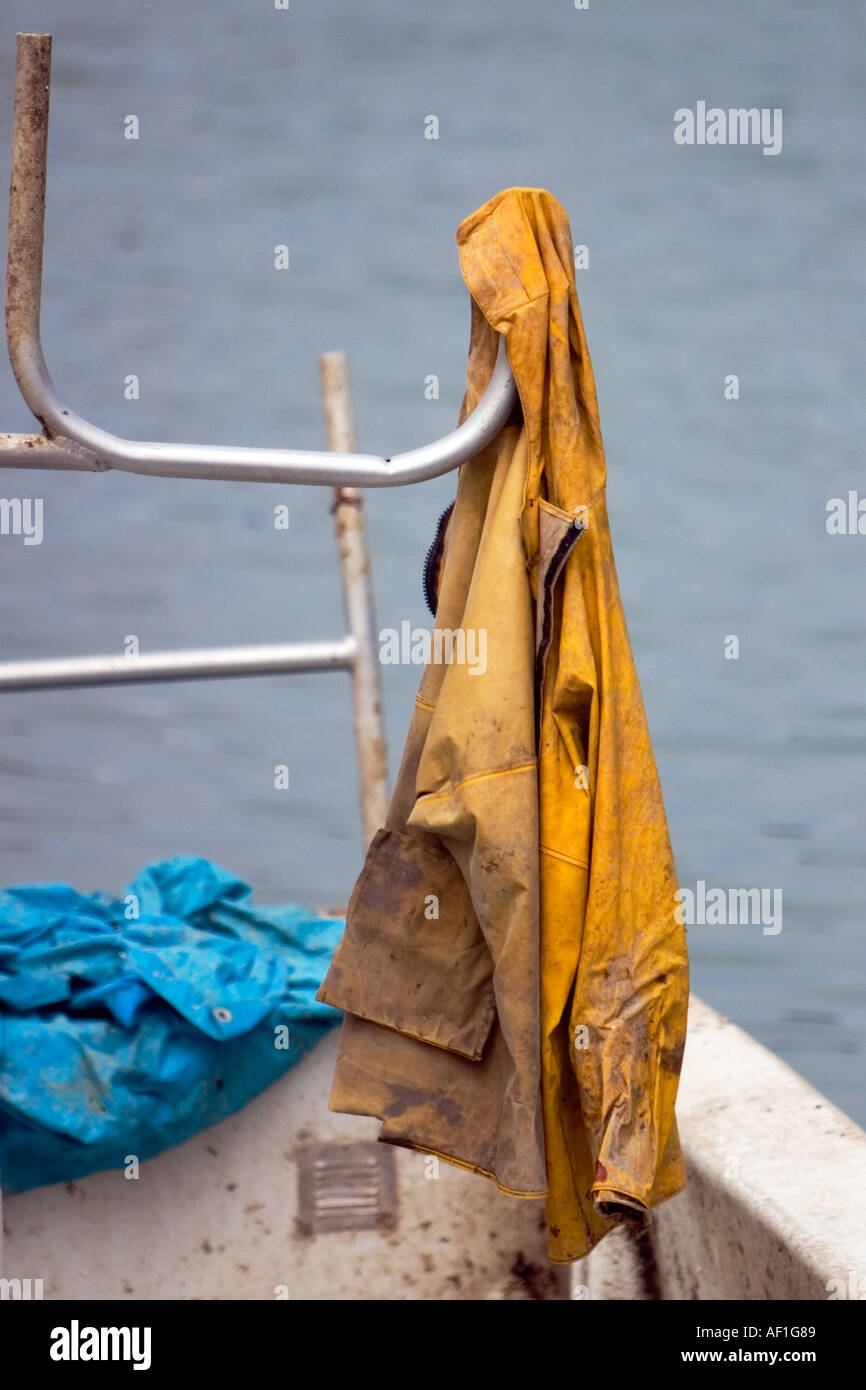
<point>347,1187</point>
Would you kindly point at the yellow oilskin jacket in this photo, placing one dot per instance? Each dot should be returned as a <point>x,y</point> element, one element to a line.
<point>513,976</point>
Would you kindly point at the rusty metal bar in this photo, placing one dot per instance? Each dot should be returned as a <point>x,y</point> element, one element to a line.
<point>27,206</point>
<point>348,510</point>
<point>38,451</point>
<point>23,295</point>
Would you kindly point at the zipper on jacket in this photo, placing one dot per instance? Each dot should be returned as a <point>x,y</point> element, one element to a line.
<point>433,559</point>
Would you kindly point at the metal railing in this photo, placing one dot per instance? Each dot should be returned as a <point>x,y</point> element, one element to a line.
<point>68,441</point>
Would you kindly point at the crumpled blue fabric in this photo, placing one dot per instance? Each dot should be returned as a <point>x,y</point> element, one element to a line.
<point>126,1025</point>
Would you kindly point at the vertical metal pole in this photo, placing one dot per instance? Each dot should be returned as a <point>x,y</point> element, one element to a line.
<point>27,201</point>
<point>348,512</point>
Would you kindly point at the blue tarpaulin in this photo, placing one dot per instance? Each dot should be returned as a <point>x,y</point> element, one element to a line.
<point>128,1024</point>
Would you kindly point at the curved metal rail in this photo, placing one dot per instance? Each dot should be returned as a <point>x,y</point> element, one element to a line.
<point>72,442</point>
